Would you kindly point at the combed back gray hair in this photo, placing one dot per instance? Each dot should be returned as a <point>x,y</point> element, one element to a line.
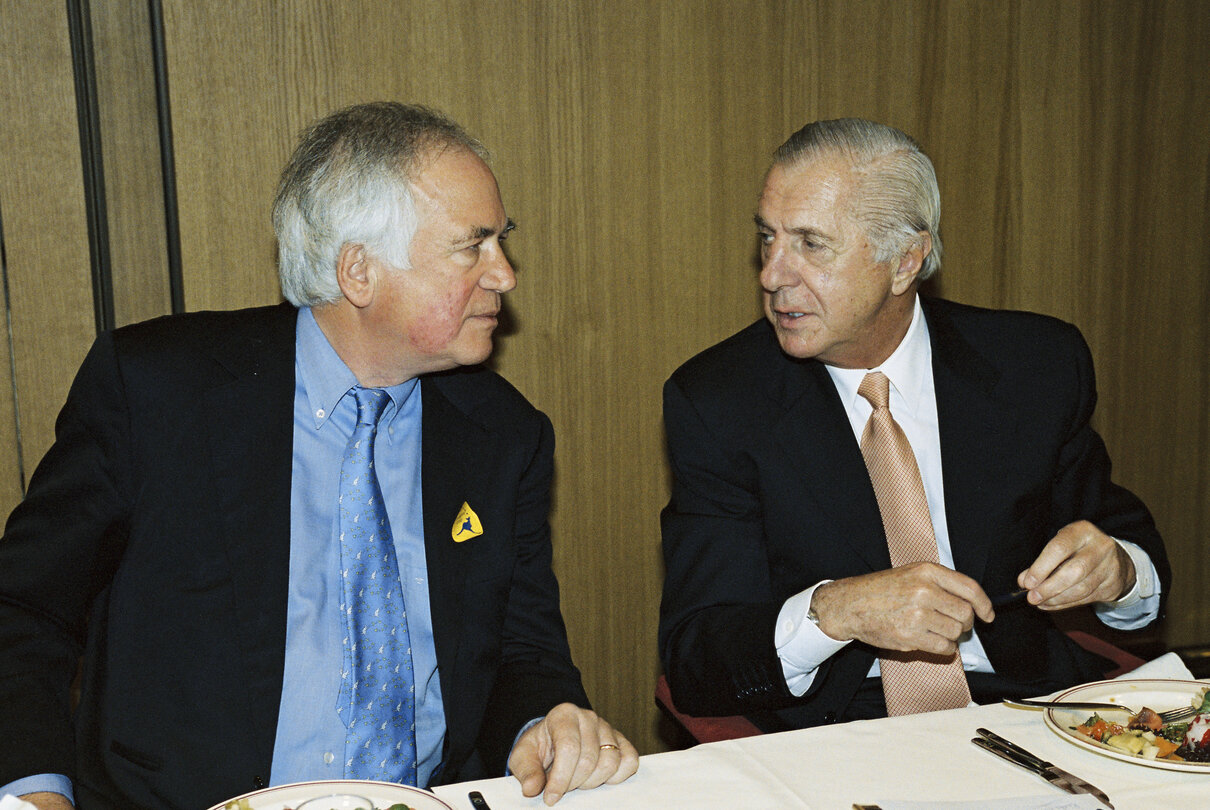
<point>349,181</point>
<point>896,186</point>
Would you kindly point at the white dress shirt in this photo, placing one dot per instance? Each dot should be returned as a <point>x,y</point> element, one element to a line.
<point>801,645</point>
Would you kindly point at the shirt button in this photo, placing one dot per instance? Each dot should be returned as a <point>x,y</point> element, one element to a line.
<point>320,413</point>
<point>328,758</point>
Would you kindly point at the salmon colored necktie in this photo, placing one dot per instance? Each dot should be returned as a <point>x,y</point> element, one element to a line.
<point>917,681</point>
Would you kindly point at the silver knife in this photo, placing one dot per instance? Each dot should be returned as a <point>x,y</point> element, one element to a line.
<point>990,741</point>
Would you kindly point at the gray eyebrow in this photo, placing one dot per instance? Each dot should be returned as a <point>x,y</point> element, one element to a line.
<point>806,231</point>
<point>484,231</point>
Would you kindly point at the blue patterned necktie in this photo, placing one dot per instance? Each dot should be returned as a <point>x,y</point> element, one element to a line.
<point>377,689</point>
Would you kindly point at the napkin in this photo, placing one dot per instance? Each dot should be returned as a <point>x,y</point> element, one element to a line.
<point>10,802</point>
<point>1081,802</point>
<point>1168,665</point>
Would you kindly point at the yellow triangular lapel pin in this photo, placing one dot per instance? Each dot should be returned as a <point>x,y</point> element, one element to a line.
<point>466,525</point>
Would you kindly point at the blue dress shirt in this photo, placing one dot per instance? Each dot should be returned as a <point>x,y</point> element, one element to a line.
<point>310,737</point>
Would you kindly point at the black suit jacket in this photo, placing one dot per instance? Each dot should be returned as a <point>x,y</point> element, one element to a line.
<point>155,537</point>
<point>771,495</point>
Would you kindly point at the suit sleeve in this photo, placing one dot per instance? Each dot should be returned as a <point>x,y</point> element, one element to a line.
<point>1083,487</point>
<point>718,613</point>
<point>59,550</point>
<point>536,672</point>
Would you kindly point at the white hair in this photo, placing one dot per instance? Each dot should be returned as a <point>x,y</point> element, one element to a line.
<point>349,181</point>
<point>896,191</point>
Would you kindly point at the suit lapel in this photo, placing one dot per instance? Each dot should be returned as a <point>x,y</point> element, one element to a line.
<point>975,430</point>
<point>831,468</point>
<point>251,450</point>
<point>451,475</point>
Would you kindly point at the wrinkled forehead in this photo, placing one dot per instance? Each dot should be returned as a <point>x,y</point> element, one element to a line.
<point>454,175</point>
<point>811,192</point>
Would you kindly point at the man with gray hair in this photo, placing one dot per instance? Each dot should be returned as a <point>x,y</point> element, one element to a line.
<point>306,541</point>
<point>857,472</point>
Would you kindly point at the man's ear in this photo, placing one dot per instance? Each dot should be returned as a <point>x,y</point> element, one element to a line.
<point>911,263</point>
<point>355,274</point>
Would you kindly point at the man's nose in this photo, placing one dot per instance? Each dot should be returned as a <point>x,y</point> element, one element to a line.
<point>775,268</point>
<point>500,277</point>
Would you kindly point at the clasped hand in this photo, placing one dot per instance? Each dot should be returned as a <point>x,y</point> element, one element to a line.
<point>922,606</point>
<point>570,748</point>
<point>1080,565</point>
<point>927,607</point>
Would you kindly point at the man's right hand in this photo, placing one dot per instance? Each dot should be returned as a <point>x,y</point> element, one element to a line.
<point>48,801</point>
<point>922,606</point>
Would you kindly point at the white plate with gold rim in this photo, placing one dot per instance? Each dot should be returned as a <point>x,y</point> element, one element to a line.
<point>1157,695</point>
<point>382,794</point>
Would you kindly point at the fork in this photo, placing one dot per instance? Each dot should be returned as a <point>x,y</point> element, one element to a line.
<point>1177,715</point>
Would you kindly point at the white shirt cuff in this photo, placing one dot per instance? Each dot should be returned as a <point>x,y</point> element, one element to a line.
<point>1141,604</point>
<point>800,644</point>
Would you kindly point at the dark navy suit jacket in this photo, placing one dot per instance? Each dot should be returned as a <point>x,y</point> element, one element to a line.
<point>154,538</point>
<point>771,495</point>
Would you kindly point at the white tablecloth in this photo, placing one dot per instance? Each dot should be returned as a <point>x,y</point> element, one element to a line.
<point>919,758</point>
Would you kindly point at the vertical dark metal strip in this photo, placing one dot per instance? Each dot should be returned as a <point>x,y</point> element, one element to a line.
<point>12,363</point>
<point>172,224</point>
<point>87,114</point>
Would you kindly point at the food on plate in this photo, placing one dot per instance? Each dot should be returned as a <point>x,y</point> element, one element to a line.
<point>1142,742</point>
<point>242,804</point>
<point>1147,735</point>
<point>1195,746</point>
<point>396,806</point>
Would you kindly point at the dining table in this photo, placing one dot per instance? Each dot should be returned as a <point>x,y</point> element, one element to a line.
<point>895,763</point>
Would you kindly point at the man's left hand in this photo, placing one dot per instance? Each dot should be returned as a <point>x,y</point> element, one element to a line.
<point>570,748</point>
<point>1080,565</point>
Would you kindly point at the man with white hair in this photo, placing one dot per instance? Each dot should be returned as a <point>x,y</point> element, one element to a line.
<point>307,541</point>
<point>863,475</point>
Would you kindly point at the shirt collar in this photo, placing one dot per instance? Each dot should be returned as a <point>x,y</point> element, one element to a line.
<point>908,367</point>
<point>326,378</point>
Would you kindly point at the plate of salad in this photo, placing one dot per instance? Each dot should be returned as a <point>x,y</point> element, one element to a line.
<point>384,795</point>
<point>1140,738</point>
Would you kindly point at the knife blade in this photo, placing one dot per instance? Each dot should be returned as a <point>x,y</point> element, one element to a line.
<point>994,743</point>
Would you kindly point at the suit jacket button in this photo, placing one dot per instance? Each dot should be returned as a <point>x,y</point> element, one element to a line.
<point>258,782</point>
<point>829,717</point>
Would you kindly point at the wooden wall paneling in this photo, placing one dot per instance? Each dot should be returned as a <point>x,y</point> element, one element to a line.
<point>970,134</point>
<point>130,143</point>
<point>226,83</point>
<point>668,178</point>
<point>864,59</point>
<point>630,143</point>
<point>568,306</point>
<point>740,112</point>
<point>1048,274</point>
<point>612,185</point>
<point>1147,251</point>
<point>45,232</point>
